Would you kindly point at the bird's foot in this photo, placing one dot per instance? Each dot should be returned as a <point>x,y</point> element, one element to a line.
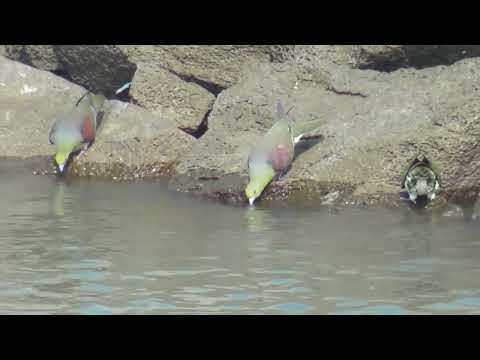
<point>83,150</point>
<point>281,176</point>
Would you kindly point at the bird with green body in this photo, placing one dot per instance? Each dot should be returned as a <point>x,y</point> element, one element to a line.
<point>421,179</point>
<point>275,152</point>
<point>76,130</point>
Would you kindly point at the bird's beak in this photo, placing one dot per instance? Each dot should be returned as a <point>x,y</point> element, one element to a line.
<point>251,200</point>
<point>60,167</point>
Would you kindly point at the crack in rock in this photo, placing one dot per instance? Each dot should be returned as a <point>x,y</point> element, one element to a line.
<point>345,92</point>
<point>211,87</point>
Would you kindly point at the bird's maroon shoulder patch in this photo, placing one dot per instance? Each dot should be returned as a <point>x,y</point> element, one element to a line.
<point>88,132</point>
<point>280,157</point>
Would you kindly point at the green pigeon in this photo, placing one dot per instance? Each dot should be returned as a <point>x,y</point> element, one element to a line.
<point>274,153</point>
<point>76,129</point>
<point>421,179</point>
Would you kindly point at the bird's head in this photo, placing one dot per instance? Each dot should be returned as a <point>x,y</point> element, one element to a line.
<point>253,191</point>
<point>61,160</point>
<point>260,173</point>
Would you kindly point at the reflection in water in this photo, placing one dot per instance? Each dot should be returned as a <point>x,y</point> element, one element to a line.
<point>58,199</point>
<point>416,233</point>
<point>258,220</point>
<point>89,247</point>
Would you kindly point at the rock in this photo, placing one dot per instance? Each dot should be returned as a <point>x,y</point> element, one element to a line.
<point>107,67</point>
<point>131,141</point>
<point>99,68</point>
<point>317,55</point>
<point>421,56</point>
<point>379,57</point>
<point>377,122</point>
<point>179,82</point>
<point>384,57</point>
<point>163,93</point>
<point>215,66</point>
<point>39,56</point>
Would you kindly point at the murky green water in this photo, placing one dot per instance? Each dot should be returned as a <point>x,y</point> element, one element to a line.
<point>91,247</point>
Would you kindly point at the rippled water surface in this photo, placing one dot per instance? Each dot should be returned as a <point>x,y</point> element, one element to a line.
<point>93,247</point>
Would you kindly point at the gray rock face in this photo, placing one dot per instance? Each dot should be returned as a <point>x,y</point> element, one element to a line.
<point>377,122</point>
<point>99,68</point>
<point>179,82</point>
<point>217,66</point>
<point>39,56</point>
<point>384,57</point>
<point>163,93</point>
<point>131,142</point>
<point>110,66</point>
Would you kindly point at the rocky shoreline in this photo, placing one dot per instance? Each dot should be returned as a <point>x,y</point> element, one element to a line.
<point>193,113</point>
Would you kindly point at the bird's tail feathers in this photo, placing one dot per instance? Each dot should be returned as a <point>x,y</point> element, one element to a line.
<point>123,88</point>
<point>300,128</point>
